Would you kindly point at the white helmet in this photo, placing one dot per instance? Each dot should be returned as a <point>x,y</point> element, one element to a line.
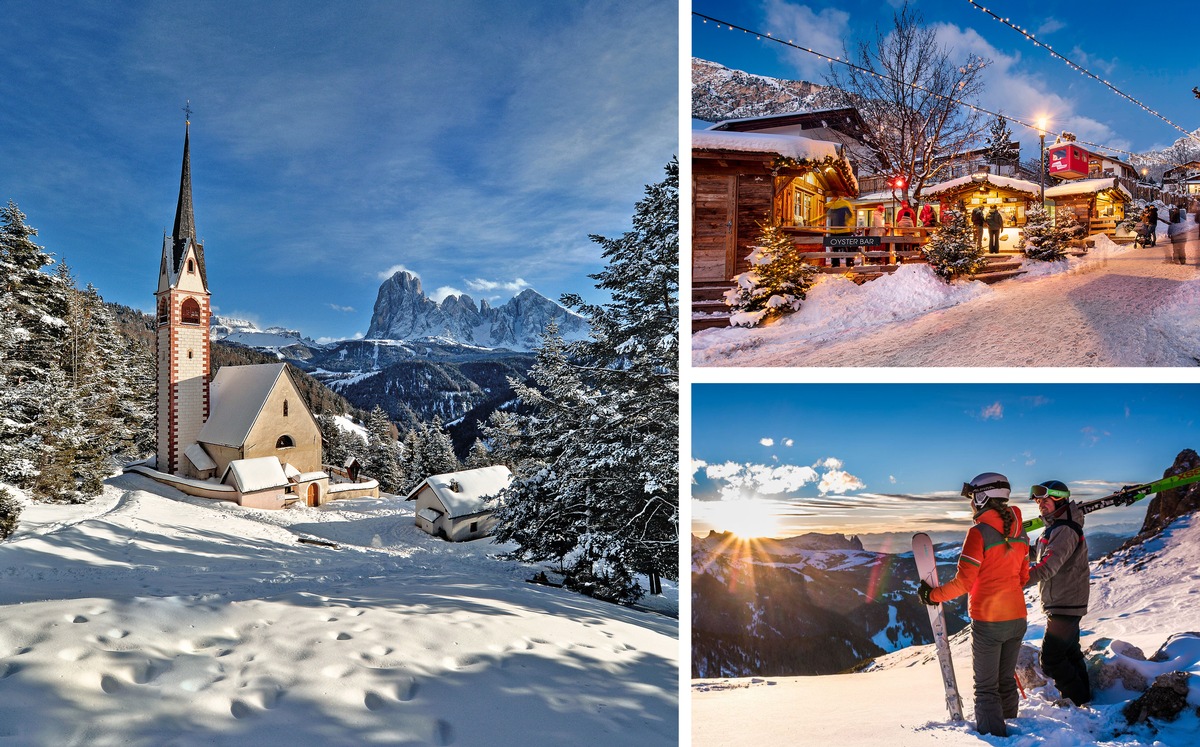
<point>986,486</point>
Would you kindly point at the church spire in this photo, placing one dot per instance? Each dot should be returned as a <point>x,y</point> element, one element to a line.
<point>185,221</point>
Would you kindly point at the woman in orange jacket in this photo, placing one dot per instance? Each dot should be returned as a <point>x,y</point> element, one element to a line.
<point>992,571</point>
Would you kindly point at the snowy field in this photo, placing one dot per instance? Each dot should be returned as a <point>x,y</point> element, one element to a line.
<point>1116,306</point>
<point>900,702</point>
<point>141,619</point>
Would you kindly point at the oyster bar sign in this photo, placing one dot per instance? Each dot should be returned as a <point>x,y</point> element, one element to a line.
<point>851,242</point>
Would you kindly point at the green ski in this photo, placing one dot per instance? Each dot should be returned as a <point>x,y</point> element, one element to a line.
<point>1128,495</point>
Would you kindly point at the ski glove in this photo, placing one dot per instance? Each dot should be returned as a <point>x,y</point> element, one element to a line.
<point>923,594</point>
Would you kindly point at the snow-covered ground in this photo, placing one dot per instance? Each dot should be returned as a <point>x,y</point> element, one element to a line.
<point>1116,306</point>
<point>900,702</point>
<point>142,619</point>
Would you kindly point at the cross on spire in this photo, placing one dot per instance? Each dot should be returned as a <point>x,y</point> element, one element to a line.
<point>187,110</point>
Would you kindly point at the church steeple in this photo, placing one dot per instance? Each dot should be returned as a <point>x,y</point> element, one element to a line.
<point>185,221</point>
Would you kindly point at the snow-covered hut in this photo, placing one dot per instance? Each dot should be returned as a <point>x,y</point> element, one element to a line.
<point>744,179</point>
<point>457,506</point>
<point>1011,196</point>
<point>1098,204</point>
<point>260,482</point>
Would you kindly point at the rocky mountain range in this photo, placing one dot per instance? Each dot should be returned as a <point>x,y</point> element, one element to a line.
<point>720,93</point>
<point>403,312</point>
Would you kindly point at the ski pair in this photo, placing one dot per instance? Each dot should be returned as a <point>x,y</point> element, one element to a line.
<point>1127,495</point>
<point>927,571</point>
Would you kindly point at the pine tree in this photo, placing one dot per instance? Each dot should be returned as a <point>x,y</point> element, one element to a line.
<point>952,251</point>
<point>383,459</point>
<point>778,280</point>
<point>439,451</point>
<point>1000,149</point>
<point>1041,239</point>
<point>10,512</point>
<point>478,456</point>
<point>333,443</point>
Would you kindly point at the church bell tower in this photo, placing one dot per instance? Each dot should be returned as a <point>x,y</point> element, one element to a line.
<point>182,341</point>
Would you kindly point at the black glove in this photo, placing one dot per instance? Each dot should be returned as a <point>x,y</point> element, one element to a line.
<point>923,594</point>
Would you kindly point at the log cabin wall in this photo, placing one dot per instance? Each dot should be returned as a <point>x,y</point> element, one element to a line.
<point>714,200</point>
<point>755,199</point>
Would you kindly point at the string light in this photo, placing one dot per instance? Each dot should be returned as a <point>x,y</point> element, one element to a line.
<point>1082,70</point>
<point>959,102</point>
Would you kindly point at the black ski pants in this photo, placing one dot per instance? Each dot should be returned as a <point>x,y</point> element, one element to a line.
<point>1062,659</point>
<point>994,650</point>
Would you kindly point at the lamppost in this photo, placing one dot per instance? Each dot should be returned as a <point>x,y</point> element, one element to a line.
<point>898,183</point>
<point>1042,149</point>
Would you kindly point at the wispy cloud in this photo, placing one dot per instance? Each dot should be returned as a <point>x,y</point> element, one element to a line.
<point>788,442</point>
<point>1049,26</point>
<point>385,274</point>
<point>823,31</point>
<point>335,307</point>
<point>1093,435</point>
<point>480,285</point>
<point>444,292</point>
<point>994,411</point>
<point>767,441</point>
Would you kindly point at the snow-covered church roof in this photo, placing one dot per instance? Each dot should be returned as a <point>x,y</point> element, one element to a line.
<point>1087,186</point>
<point>238,394</point>
<point>474,489</point>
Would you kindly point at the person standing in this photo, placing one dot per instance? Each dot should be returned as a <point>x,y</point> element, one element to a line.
<point>878,222</point>
<point>993,570</point>
<point>1060,569</point>
<point>995,224</point>
<point>838,214</point>
<point>977,224</point>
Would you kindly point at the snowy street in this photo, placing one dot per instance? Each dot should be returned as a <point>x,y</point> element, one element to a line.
<point>1117,306</point>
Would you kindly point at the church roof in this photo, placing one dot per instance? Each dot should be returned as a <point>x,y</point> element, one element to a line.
<point>253,475</point>
<point>199,457</point>
<point>475,489</point>
<point>238,395</point>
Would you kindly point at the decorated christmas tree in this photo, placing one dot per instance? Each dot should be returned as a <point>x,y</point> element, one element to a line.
<point>777,281</point>
<point>952,251</point>
<point>1042,239</point>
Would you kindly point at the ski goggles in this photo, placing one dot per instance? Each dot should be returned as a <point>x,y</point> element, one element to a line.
<point>1038,492</point>
<point>970,490</point>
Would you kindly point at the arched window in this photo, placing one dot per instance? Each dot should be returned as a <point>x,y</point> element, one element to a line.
<point>163,310</point>
<point>285,442</point>
<point>285,408</point>
<point>189,312</point>
<point>191,266</point>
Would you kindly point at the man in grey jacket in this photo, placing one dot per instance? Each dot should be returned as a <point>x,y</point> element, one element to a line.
<point>1060,568</point>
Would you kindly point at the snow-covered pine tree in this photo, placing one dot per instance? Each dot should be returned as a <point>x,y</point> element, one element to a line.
<point>383,459</point>
<point>951,250</point>
<point>10,513</point>
<point>439,450</point>
<point>333,444</point>
<point>1041,239</point>
<point>478,456</point>
<point>778,279</point>
<point>1000,149</point>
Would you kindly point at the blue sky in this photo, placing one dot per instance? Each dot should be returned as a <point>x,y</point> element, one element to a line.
<point>863,458</point>
<point>1142,52</point>
<point>476,144</point>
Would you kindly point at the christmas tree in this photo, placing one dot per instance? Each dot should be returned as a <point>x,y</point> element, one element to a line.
<point>1042,239</point>
<point>777,281</point>
<point>952,251</point>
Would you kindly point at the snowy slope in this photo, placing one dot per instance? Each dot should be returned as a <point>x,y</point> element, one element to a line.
<point>140,619</point>
<point>1139,597</point>
<point>1117,306</point>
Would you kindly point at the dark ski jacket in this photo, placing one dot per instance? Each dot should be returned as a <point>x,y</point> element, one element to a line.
<point>995,219</point>
<point>992,569</point>
<point>1060,564</point>
<point>977,217</point>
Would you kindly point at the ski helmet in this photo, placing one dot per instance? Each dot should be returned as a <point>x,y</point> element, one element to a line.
<point>986,486</point>
<point>1055,489</point>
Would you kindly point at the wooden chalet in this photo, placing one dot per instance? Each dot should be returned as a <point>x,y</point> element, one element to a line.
<point>844,126</point>
<point>1185,178</point>
<point>1099,204</point>
<point>741,181</point>
<point>1011,196</point>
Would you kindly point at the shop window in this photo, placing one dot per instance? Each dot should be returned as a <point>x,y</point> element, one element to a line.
<point>189,312</point>
<point>285,442</point>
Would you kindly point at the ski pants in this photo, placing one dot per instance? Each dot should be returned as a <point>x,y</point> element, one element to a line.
<point>1062,659</point>
<point>994,650</point>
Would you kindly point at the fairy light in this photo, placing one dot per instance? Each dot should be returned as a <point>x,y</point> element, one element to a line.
<point>914,86</point>
<point>1081,70</point>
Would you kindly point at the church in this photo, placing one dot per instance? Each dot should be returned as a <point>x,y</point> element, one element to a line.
<point>246,436</point>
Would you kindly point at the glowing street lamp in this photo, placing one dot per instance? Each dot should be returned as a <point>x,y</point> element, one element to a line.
<point>897,183</point>
<point>1041,123</point>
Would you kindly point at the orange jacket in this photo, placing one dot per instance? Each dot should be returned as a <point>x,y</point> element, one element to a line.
<point>992,571</point>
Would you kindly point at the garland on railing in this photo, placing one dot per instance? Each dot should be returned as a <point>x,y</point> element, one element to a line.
<point>840,165</point>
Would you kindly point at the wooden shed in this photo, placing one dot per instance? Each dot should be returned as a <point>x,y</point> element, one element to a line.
<point>1099,204</point>
<point>1011,196</point>
<point>743,179</point>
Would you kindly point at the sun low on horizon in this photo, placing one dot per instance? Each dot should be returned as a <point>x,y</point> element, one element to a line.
<point>747,518</point>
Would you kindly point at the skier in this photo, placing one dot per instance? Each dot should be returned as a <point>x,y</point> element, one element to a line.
<point>977,224</point>
<point>1060,569</point>
<point>995,223</point>
<point>993,568</point>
